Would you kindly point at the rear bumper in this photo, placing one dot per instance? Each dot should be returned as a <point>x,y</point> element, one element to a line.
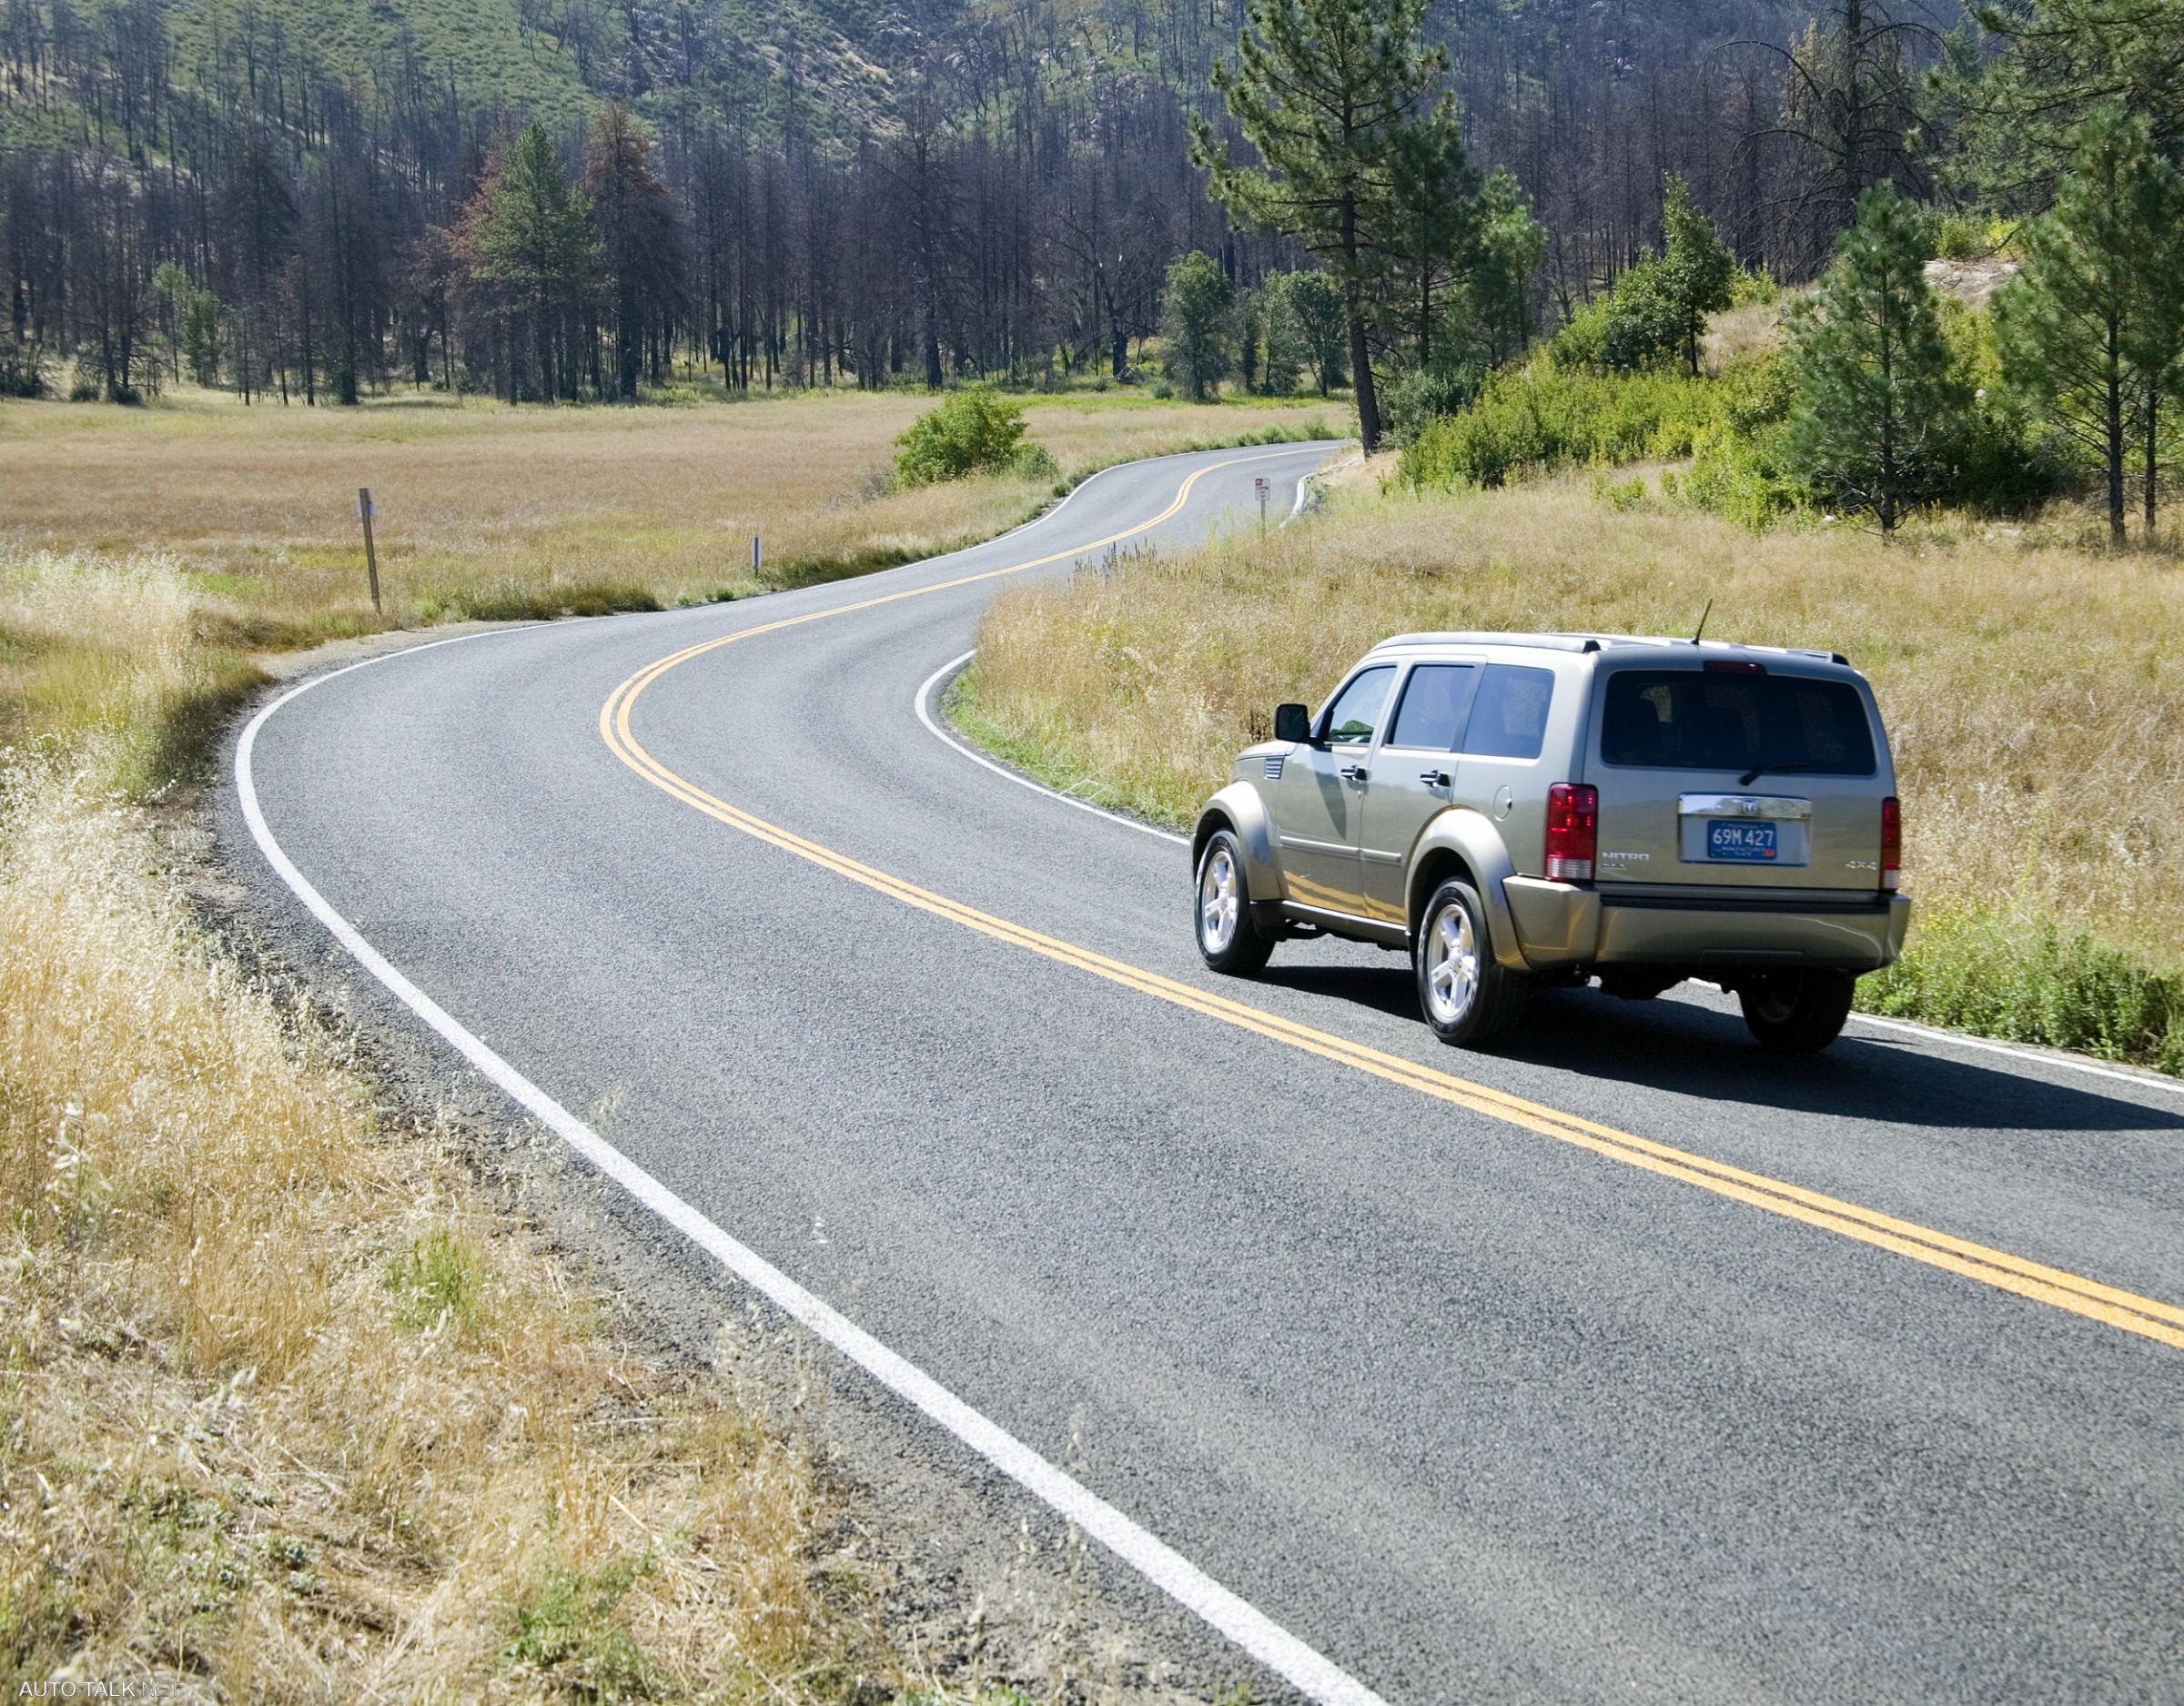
<point>1561,926</point>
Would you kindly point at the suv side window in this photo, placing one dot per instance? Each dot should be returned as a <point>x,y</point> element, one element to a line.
<point>1351,720</point>
<point>1509,718</point>
<point>1431,714</point>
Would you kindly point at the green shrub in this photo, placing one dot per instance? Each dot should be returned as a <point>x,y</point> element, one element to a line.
<point>1418,397</point>
<point>969,431</point>
<point>1745,478</point>
<point>21,370</point>
<point>1750,285</point>
<point>2008,975</point>
<point>1542,417</point>
<point>1032,461</point>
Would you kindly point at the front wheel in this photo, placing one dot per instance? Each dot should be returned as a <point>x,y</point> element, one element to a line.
<point>1796,1012</point>
<point>1228,939</point>
<point>1470,997</point>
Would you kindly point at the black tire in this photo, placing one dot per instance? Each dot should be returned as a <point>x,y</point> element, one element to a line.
<point>1796,1012</point>
<point>1468,997</point>
<point>1229,939</point>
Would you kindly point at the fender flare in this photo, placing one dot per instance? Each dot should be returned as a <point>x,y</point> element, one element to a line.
<point>1239,807</point>
<point>1475,841</point>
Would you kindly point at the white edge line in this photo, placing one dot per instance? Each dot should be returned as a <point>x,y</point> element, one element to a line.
<point>1936,1034</point>
<point>924,702</point>
<point>1307,1669</point>
<point>1957,1039</point>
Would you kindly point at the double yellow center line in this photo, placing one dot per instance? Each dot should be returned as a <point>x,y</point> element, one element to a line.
<point>2147,1317</point>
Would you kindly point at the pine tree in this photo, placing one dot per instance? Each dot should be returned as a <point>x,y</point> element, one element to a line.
<point>2089,329</point>
<point>1433,231</point>
<point>1875,403</point>
<point>1696,266</point>
<point>1510,245</point>
<point>1330,94</point>
<point>528,231</point>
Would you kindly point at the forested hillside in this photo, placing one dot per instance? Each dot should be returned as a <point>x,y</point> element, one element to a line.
<point>315,197</point>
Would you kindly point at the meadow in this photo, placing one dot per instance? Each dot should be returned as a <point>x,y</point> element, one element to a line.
<point>2034,689</point>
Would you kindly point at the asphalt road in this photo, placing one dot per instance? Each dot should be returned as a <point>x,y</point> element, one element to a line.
<point>1478,1414</point>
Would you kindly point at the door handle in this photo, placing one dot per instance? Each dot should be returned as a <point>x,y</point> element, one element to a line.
<point>1436,778</point>
<point>1355,773</point>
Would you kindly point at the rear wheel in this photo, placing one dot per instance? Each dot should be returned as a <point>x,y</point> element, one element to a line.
<point>1469,998</point>
<point>1796,1012</point>
<point>1229,940</point>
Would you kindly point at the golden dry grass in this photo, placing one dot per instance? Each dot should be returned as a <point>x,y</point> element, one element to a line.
<point>284,1412</point>
<point>2034,689</point>
<point>484,509</point>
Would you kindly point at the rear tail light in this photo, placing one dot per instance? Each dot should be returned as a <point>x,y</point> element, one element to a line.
<point>1573,830</point>
<point>1892,842</point>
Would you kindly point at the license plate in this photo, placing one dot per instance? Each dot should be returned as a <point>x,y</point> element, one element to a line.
<point>1749,841</point>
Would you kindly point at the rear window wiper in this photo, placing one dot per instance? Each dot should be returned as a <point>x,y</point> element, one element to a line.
<point>1779,767</point>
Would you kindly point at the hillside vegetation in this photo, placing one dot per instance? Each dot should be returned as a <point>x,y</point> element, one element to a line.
<point>2034,694</point>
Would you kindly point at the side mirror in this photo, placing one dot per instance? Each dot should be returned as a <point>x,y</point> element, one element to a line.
<point>1292,723</point>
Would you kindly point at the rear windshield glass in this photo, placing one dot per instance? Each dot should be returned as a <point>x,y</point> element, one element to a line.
<point>1509,718</point>
<point>1686,720</point>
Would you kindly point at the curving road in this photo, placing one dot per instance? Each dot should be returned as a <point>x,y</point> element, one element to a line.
<point>1459,1396</point>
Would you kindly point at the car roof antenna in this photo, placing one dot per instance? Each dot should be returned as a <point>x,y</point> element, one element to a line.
<point>1702,627</point>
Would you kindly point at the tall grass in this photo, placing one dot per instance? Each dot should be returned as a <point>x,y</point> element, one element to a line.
<point>2034,694</point>
<point>284,1411</point>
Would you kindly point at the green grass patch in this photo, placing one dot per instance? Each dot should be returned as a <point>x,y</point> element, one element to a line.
<point>2008,975</point>
<point>564,1633</point>
<point>511,601</point>
<point>439,1281</point>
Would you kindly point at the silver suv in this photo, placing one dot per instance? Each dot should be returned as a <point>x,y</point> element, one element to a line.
<point>1520,810</point>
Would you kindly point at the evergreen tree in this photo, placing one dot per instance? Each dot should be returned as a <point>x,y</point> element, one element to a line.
<point>1433,233</point>
<point>1510,245</point>
<point>1330,94</point>
<point>1695,268</point>
<point>2020,113</point>
<point>1659,307</point>
<point>1197,321</point>
<point>1875,403</point>
<point>2089,329</point>
<point>528,231</point>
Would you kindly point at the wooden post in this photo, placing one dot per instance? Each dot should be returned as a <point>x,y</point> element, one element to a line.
<point>371,556</point>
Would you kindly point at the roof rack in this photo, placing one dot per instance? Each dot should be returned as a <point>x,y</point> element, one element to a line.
<point>1597,642</point>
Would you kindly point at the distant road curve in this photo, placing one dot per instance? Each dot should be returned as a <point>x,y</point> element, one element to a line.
<point>1627,1364</point>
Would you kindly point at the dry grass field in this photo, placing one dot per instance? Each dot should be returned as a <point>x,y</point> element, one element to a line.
<point>289,1408</point>
<point>286,1413</point>
<point>497,511</point>
<point>2034,690</point>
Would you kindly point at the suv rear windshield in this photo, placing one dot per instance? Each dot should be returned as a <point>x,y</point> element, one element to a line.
<point>1692,720</point>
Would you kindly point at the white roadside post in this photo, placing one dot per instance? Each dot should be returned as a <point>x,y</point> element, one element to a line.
<point>1260,486</point>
